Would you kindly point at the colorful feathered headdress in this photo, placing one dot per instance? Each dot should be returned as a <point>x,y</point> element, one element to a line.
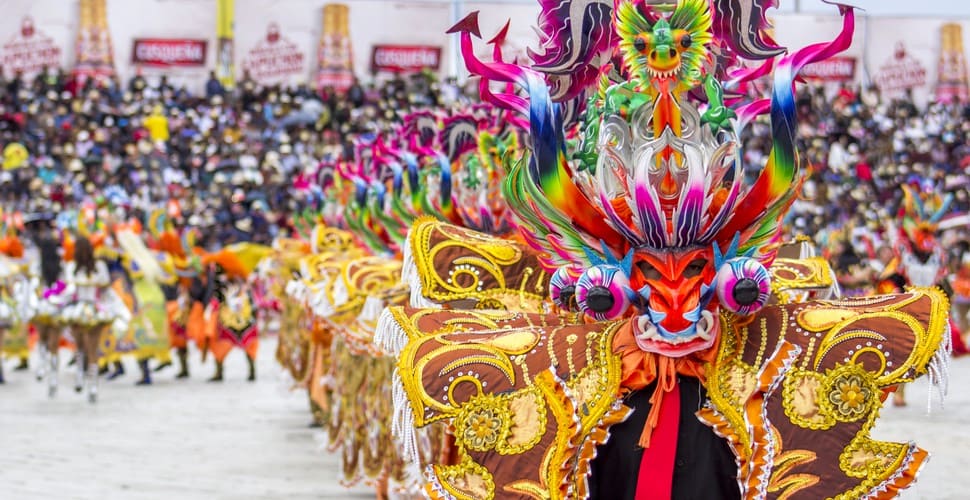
<point>652,203</point>
<point>921,213</point>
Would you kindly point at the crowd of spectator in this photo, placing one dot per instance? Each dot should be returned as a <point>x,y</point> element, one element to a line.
<point>228,157</point>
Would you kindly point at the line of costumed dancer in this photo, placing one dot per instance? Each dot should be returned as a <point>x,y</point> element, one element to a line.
<point>97,284</point>
<point>576,290</point>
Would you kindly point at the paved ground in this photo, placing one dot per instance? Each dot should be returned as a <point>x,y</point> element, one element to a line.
<point>177,439</point>
<point>236,440</point>
<point>943,432</point>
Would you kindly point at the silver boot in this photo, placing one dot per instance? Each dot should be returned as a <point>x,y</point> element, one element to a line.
<point>42,362</point>
<point>79,376</point>
<point>92,383</point>
<point>52,377</point>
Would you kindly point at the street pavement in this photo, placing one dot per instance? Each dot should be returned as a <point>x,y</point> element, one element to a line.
<point>186,439</point>
<point>238,440</point>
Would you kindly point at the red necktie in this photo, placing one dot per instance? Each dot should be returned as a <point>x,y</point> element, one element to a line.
<point>656,478</point>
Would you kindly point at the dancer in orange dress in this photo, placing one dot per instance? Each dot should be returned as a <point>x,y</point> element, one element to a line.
<point>232,306</point>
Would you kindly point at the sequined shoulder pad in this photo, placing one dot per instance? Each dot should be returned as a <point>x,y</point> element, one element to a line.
<point>796,280</point>
<point>465,269</point>
<point>798,388</point>
<point>529,396</point>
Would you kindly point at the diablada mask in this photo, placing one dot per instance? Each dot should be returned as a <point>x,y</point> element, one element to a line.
<point>651,216</point>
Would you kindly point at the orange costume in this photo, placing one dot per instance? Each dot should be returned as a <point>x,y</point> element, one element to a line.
<point>231,319</point>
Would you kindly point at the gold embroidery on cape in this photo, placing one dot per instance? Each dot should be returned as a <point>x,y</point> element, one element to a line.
<point>864,346</point>
<point>479,256</point>
<point>782,482</point>
<point>483,384</point>
<point>793,279</point>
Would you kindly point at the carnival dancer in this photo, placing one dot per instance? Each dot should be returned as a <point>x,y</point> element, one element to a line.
<point>177,262</point>
<point>15,300</point>
<point>922,262</point>
<point>177,307</point>
<point>142,322</point>
<point>8,312</point>
<point>678,379</point>
<point>960,283</point>
<point>116,343</point>
<point>235,312</point>
<point>88,314</point>
<point>200,324</point>
<point>149,324</point>
<point>49,284</point>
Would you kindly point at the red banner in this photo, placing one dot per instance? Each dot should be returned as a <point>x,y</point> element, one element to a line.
<point>833,69</point>
<point>405,58</point>
<point>168,52</point>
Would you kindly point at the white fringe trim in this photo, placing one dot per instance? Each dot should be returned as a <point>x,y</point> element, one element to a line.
<point>297,289</point>
<point>411,278</point>
<point>402,423</point>
<point>371,310</point>
<point>319,303</point>
<point>340,292</point>
<point>389,337</point>
<point>806,250</point>
<point>407,260</point>
<point>835,291</point>
<point>938,370</point>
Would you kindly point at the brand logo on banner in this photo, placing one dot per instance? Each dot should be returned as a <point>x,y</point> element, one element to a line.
<point>833,69</point>
<point>168,52</point>
<point>30,51</point>
<point>274,59</point>
<point>901,72</point>
<point>405,58</point>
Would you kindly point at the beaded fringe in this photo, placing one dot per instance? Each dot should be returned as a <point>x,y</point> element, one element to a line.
<point>938,370</point>
<point>411,278</point>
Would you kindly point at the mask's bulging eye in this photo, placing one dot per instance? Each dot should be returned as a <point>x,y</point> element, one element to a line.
<point>686,41</point>
<point>601,292</point>
<point>562,288</point>
<point>640,44</point>
<point>743,285</point>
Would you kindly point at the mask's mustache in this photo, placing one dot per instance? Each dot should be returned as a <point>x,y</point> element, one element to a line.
<point>704,329</point>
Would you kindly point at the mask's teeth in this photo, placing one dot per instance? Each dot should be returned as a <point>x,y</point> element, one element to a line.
<point>648,330</point>
<point>705,325</point>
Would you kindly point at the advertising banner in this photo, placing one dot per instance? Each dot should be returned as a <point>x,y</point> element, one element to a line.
<point>405,58</point>
<point>900,73</point>
<point>168,52</point>
<point>835,69</point>
<point>274,59</point>
<point>29,51</point>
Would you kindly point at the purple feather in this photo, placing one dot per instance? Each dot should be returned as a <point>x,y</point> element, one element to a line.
<point>576,39</point>
<point>653,225</point>
<point>690,209</point>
